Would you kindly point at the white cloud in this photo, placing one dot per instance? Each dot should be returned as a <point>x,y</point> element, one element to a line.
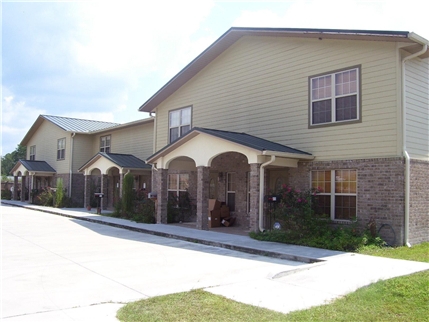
<point>129,37</point>
<point>17,118</point>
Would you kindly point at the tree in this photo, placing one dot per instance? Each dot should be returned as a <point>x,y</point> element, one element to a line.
<point>10,159</point>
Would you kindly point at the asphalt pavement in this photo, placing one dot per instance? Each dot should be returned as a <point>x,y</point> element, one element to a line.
<point>75,265</point>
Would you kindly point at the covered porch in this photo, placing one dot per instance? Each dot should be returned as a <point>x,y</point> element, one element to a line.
<point>230,167</point>
<point>34,175</point>
<point>104,174</point>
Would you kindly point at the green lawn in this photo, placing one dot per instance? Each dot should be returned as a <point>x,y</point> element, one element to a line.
<point>399,299</point>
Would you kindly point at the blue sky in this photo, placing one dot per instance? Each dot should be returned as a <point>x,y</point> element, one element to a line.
<point>103,59</point>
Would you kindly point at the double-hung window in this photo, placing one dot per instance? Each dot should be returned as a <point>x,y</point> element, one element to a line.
<point>61,149</point>
<point>231,181</point>
<point>338,196</point>
<point>335,97</point>
<point>33,152</point>
<point>179,123</point>
<point>105,144</point>
<point>178,185</point>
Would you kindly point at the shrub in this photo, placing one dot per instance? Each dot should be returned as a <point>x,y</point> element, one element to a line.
<point>44,197</point>
<point>59,195</point>
<point>302,223</point>
<point>6,194</point>
<point>127,195</point>
<point>145,212</point>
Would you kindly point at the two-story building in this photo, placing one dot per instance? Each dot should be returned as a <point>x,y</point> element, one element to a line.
<point>87,156</point>
<point>344,110</point>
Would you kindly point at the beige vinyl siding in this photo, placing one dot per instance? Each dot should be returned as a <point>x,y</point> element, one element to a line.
<point>260,86</point>
<point>45,139</point>
<point>136,140</point>
<point>82,150</point>
<point>417,104</point>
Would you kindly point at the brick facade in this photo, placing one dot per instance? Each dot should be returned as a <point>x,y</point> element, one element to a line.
<point>380,189</point>
<point>419,202</point>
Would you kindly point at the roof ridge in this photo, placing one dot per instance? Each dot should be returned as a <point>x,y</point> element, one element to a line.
<point>75,118</point>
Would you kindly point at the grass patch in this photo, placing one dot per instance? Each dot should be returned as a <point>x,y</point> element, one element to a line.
<point>418,253</point>
<point>195,305</point>
<point>403,298</point>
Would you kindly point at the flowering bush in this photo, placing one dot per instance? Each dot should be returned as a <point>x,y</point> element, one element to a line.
<point>302,223</point>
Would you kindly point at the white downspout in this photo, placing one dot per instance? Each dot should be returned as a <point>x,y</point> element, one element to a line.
<point>71,164</point>
<point>404,146</point>
<point>261,191</point>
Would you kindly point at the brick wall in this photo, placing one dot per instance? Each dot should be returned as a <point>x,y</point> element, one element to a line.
<point>78,189</point>
<point>419,202</point>
<point>380,189</point>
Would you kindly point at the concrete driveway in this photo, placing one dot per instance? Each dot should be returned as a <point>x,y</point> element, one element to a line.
<point>65,269</point>
<point>60,269</point>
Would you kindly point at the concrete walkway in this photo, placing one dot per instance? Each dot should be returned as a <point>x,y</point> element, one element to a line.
<point>321,276</point>
<point>212,238</point>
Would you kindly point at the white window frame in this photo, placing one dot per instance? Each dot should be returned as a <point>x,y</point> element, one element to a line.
<point>103,145</point>
<point>332,92</point>
<point>61,149</point>
<point>178,188</point>
<point>231,185</point>
<point>184,124</point>
<point>334,193</point>
<point>33,152</point>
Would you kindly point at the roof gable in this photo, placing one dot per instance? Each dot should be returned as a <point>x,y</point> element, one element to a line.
<point>234,34</point>
<point>259,145</point>
<point>68,124</point>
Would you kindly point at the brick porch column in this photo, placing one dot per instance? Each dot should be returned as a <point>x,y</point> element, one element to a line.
<point>15,188</point>
<point>203,182</point>
<point>162,196</point>
<point>87,191</point>
<point>104,189</point>
<point>23,187</point>
<point>121,181</point>
<point>254,197</point>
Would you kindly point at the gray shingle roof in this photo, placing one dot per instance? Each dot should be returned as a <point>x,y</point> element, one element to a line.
<point>126,160</point>
<point>78,125</point>
<point>37,166</point>
<point>250,141</point>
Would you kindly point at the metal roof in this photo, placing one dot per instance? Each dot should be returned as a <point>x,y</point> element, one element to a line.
<point>78,125</point>
<point>37,166</point>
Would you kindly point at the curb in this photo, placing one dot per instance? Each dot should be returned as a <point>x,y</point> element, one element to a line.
<point>243,249</point>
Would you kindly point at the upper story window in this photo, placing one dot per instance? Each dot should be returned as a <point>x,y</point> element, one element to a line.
<point>105,144</point>
<point>335,97</point>
<point>61,149</point>
<point>179,123</point>
<point>33,152</point>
